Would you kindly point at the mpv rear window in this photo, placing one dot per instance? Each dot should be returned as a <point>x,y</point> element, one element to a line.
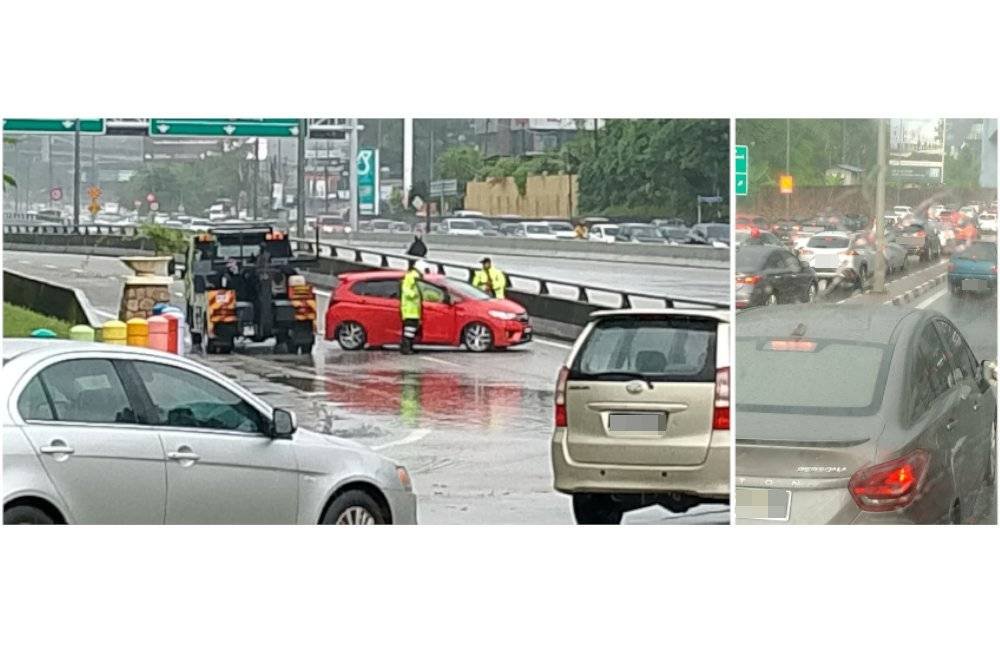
<point>657,348</point>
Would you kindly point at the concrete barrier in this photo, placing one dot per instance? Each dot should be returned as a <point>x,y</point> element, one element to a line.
<point>49,298</point>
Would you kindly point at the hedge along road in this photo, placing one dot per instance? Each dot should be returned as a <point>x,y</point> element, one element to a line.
<point>472,428</point>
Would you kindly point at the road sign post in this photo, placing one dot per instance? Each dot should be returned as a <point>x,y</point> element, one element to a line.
<point>368,182</point>
<point>741,170</point>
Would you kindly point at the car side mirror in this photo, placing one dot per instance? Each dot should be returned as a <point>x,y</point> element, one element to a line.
<point>282,424</point>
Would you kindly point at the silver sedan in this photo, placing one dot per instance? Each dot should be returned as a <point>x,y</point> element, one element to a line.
<point>94,433</point>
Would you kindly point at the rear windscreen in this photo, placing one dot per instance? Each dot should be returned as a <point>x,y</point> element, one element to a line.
<point>979,251</point>
<point>828,242</point>
<point>835,377</point>
<point>658,348</point>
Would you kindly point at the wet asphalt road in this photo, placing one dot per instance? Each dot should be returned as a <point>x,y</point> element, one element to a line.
<point>473,429</point>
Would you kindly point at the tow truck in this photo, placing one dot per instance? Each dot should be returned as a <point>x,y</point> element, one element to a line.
<point>240,282</point>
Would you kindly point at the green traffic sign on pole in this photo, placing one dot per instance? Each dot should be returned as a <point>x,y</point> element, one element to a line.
<point>87,126</point>
<point>225,127</point>
<point>741,169</point>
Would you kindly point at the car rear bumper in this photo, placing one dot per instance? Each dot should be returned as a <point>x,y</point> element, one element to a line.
<point>990,280</point>
<point>708,479</point>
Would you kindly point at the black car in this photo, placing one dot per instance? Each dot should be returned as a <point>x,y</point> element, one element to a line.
<point>767,275</point>
<point>861,414</point>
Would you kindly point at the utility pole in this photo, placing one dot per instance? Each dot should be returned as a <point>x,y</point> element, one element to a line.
<point>879,281</point>
<point>407,160</point>
<point>94,178</point>
<point>354,175</point>
<point>788,165</point>
<point>300,182</point>
<point>76,172</point>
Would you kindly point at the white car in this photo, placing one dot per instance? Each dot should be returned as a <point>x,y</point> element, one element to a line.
<point>902,210</point>
<point>94,433</point>
<point>934,210</point>
<point>970,212</point>
<point>563,230</point>
<point>464,227</point>
<point>534,230</point>
<point>834,252</point>
<point>988,222</point>
<point>603,232</point>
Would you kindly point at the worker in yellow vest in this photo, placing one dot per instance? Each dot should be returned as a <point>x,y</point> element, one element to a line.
<point>410,307</point>
<point>490,279</point>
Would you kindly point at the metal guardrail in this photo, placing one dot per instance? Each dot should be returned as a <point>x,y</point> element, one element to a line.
<point>356,254</point>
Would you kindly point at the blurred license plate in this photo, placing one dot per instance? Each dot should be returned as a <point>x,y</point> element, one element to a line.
<point>973,285</point>
<point>637,422</point>
<point>769,504</point>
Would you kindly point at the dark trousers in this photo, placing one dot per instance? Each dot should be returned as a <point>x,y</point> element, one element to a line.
<point>410,328</point>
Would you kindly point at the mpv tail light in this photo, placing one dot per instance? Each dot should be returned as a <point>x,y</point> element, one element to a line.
<point>889,486</point>
<point>720,417</point>
<point>561,397</point>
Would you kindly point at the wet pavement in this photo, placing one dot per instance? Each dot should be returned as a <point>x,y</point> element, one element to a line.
<point>473,429</point>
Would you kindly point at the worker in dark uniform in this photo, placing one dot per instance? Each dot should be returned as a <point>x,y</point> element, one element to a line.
<point>417,247</point>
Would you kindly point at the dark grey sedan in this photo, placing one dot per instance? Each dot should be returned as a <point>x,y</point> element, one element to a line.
<point>860,414</point>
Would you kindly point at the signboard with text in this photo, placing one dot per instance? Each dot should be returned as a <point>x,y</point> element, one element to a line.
<point>368,186</point>
<point>741,169</point>
<point>916,150</point>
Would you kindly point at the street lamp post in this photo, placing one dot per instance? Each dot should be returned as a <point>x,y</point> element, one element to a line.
<point>878,285</point>
<point>76,172</point>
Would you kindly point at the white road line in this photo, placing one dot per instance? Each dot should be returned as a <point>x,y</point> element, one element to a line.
<point>439,360</point>
<point>415,436</point>
<point>938,296</point>
<point>550,343</point>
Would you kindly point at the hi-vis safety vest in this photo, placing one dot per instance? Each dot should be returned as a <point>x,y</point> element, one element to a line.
<point>495,283</point>
<point>409,295</point>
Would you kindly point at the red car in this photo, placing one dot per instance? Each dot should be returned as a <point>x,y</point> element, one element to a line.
<point>364,311</point>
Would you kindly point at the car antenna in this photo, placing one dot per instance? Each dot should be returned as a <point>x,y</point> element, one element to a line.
<point>800,330</point>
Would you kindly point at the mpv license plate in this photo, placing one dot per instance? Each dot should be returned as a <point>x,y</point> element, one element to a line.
<point>973,285</point>
<point>637,422</point>
<point>766,504</point>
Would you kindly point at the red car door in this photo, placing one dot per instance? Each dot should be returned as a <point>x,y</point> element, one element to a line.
<point>438,317</point>
<point>378,310</point>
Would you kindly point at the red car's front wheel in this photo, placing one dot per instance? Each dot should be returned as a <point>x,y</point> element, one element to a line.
<point>351,336</point>
<point>477,337</point>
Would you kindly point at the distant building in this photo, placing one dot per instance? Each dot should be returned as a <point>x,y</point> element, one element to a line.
<point>988,165</point>
<point>525,137</point>
<point>849,175</point>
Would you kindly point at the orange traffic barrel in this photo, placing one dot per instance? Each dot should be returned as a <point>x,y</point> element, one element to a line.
<point>114,332</point>
<point>137,332</point>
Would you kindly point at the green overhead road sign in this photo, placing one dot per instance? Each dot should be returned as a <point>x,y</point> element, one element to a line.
<point>87,126</point>
<point>225,127</point>
<point>741,169</point>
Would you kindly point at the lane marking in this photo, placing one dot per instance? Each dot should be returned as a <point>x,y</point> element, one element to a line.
<point>925,303</point>
<point>440,360</point>
<point>415,436</point>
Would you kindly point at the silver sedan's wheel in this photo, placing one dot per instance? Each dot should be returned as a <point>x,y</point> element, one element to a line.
<point>351,336</point>
<point>355,516</point>
<point>772,299</point>
<point>478,337</point>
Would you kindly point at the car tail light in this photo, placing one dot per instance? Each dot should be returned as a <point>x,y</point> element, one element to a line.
<point>951,267</point>
<point>561,397</point>
<point>993,269</point>
<point>750,280</point>
<point>889,486</point>
<point>720,417</point>
<point>791,345</point>
<point>920,233</point>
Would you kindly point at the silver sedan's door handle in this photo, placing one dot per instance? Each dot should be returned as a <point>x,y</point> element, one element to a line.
<point>182,455</point>
<point>57,447</point>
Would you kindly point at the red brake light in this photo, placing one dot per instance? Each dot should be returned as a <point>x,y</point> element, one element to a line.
<point>889,486</point>
<point>720,417</point>
<point>791,345</point>
<point>748,279</point>
<point>951,267</point>
<point>561,397</point>
<point>993,269</point>
<point>919,233</point>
